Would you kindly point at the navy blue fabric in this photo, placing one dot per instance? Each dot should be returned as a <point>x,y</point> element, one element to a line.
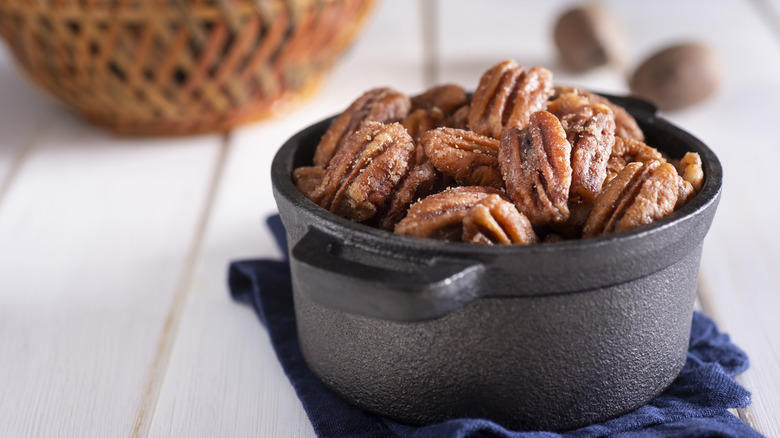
<point>695,405</point>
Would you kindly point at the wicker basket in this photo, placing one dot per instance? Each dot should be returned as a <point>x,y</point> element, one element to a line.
<point>167,67</point>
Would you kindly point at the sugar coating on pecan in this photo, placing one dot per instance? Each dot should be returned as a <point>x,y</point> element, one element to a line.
<point>379,105</point>
<point>590,129</point>
<point>470,158</point>
<point>692,171</point>
<point>627,150</point>
<point>365,171</point>
<point>506,96</point>
<point>420,182</point>
<point>638,195</point>
<point>440,216</point>
<point>422,120</point>
<point>536,166</point>
<point>626,125</point>
<point>308,178</point>
<point>494,220</point>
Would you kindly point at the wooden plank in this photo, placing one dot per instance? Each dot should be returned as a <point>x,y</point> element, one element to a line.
<point>223,378</point>
<point>27,114</point>
<point>94,238</point>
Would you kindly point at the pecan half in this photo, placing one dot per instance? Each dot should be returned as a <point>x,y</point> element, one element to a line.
<point>625,124</point>
<point>638,195</point>
<point>420,182</point>
<point>691,170</point>
<point>440,216</point>
<point>590,128</point>
<point>628,150</point>
<point>365,171</point>
<point>494,220</point>
<point>459,119</point>
<point>536,165</point>
<point>447,98</point>
<point>308,178</point>
<point>380,104</point>
<point>470,158</point>
<point>506,96</point>
<point>422,120</point>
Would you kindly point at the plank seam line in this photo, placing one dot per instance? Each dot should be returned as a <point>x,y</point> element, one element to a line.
<point>23,155</point>
<point>747,415</point>
<point>166,341</point>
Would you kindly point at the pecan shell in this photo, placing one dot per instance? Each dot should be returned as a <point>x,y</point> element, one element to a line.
<point>536,166</point>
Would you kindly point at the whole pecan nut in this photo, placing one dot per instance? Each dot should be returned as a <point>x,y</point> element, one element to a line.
<point>470,158</point>
<point>536,166</point>
<point>379,105</point>
<point>365,171</point>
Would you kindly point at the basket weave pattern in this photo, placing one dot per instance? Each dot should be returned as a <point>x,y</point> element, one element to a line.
<point>167,67</point>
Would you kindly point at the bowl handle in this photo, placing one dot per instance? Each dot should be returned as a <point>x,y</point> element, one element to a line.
<point>346,275</point>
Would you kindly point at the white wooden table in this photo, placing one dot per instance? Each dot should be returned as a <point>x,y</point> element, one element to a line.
<point>115,319</point>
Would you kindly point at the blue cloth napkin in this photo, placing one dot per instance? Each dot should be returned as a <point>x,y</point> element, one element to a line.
<point>695,405</point>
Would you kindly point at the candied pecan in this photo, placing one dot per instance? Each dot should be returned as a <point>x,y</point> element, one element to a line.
<point>365,170</point>
<point>447,98</point>
<point>422,120</point>
<point>470,158</point>
<point>572,228</point>
<point>625,124</point>
<point>440,216</point>
<point>459,119</point>
<point>638,195</point>
<point>420,182</point>
<point>494,220</point>
<point>590,129</point>
<point>691,171</point>
<point>506,96</point>
<point>627,150</point>
<point>380,105</point>
<point>308,178</point>
<point>536,166</point>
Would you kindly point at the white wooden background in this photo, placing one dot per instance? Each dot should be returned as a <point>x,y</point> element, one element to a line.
<point>114,315</point>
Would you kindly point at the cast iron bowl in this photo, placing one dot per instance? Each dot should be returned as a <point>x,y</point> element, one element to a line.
<point>548,336</point>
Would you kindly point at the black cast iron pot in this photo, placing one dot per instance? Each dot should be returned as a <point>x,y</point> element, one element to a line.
<point>547,336</point>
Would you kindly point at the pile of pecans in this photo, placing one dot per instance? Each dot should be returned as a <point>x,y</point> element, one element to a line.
<point>519,162</point>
